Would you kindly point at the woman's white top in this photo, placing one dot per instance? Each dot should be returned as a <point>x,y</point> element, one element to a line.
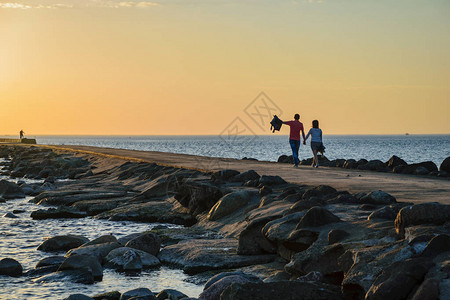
<point>316,135</point>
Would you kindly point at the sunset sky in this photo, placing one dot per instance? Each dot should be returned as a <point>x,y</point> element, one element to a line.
<point>194,66</point>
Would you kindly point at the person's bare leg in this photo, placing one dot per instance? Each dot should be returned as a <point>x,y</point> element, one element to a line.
<point>315,159</point>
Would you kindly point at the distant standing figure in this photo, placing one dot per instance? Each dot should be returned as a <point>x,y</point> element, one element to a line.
<point>21,134</point>
<point>294,137</point>
<point>316,141</point>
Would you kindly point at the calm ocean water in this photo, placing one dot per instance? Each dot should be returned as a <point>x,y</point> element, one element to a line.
<point>411,148</point>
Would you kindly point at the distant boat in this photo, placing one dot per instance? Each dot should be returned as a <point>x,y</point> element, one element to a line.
<point>406,133</point>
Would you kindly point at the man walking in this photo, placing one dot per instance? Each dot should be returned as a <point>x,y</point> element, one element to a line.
<point>294,137</point>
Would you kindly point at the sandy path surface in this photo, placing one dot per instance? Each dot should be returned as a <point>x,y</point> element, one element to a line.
<point>404,187</point>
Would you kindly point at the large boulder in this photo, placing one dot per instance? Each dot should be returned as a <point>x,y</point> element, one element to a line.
<point>286,290</point>
<point>123,259</point>
<point>61,212</point>
<point>10,190</point>
<point>398,280</point>
<point>271,180</point>
<point>51,261</point>
<point>395,161</point>
<point>78,297</point>
<point>101,240</point>
<point>424,213</point>
<point>229,204</point>
<point>140,293</point>
<point>62,243</point>
<point>214,290</point>
<point>224,175</point>
<point>289,159</point>
<point>317,216</point>
<point>198,194</point>
<point>252,240</point>
<point>445,165</point>
<point>379,198</point>
<point>148,242</point>
<point>350,164</point>
<point>10,267</point>
<point>171,294</point>
<point>319,192</point>
<point>374,165</point>
<point>76,262</point>
<point>98,251</point>
<point>245,176</point>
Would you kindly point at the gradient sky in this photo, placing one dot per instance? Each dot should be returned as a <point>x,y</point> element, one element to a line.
<point>193,66</point>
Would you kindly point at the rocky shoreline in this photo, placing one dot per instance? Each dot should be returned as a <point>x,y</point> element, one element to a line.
<point>394,165</point>
<point>257,236</point>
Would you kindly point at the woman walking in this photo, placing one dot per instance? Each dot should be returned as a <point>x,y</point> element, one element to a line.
<point>316,141</point>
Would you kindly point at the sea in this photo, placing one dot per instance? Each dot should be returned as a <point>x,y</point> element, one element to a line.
<point>411,148</point>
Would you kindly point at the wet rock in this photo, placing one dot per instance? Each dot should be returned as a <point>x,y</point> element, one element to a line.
<point>337,235</point>
<point>379,198</point>
<point>10,190</point>
<point>196,256</point>
<point>319,192</point>
<point>286,290</point>
<point>445,165</point>
<point>398,280</point>
<point>76,276</point>
<point>10,215</point>
<point>214,290</point>
<point>424,213</point>
<point>78,297</point>
<point>219,276</point>
<point>119,259</point>
<point>101,240</point>
<point>252,240</point>
<point>76,262</point>
<point>395,161</point>
<point>224,175</point>
<point>245,176</point>
<point>170,295</point>
<point>374,165</point>
<point>147,242</point>
<point>10,267</point>
<point>228,204</point>
<point>58,213</point>
<point>51,261</point>
<point>98,251</point>
<point>114,295</point>
<point>317,216</point>
<point>144,293</point>
<point>125,239</point>
<point>271,180</point>
<point>62,243</point>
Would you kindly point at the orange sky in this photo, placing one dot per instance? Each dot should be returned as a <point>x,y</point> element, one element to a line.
<point>192,67</point>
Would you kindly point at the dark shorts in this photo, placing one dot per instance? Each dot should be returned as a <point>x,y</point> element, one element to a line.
<point>315,146</point>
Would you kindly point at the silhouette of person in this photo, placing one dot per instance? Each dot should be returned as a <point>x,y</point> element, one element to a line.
<point>21,134</point>
<point>294,137</point>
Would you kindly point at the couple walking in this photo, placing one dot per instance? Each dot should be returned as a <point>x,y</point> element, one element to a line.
<point>294,139</point>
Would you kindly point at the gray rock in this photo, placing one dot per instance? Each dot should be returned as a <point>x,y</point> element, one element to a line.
<point>76,262</point>
<point>51,261</point>
<point>271,180</point>
<point>75,276</point>
<point>125,239</point>
<point>99,251</point>
<point>378,198</point>
<point>336,235</point>
<point>10,190</point>
<point>144,293</point>
<point>395,161</point>
<point>101,240</point>
<point>78,297</point>
<point>10,267</point>
<point>438,244</point>
<point>245,176</point>
<point>421,171</point>
<point>229,204</point>
<point>398,280</point>
<point>312,276</point>
<point>224,174</point>
<point>196,256</point>
<point>286,290</point>
<point>350,164</point>
<point>170,294</point>
<point>219,276</point>
<point>58,213</point>
<point>62,243</point>
<point>252,241</point>
<point>148,242</point>
<point>445,165</point>
<point>424,213</point>
<point>10,215</point>
<point>114,295</point>
<point>317,216</point>
<point>319,192</point>
<point>214,290</point>
<point>115,259</point>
